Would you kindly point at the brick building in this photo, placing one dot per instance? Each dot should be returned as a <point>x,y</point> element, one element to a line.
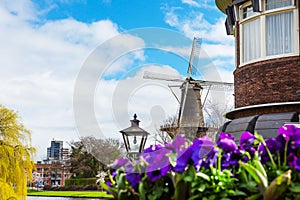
<point>267,71</point>
<point>56,168</point>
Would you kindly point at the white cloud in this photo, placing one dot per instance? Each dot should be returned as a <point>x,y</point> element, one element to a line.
<point>40,63</point>
<point>191,3</point>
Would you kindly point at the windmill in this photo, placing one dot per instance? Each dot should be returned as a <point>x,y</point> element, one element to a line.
<point>190,115</point>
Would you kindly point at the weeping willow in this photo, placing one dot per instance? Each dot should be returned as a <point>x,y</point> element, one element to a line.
<point>15,156</point>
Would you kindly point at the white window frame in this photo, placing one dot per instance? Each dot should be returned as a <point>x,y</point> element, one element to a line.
<point>262,15</point>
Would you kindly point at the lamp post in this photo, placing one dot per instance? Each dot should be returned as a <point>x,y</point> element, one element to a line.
<point>134,138</point>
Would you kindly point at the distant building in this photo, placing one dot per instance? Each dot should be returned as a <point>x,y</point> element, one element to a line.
<point>56,168</point>
<point>53,173</point>
<point>56,151</point>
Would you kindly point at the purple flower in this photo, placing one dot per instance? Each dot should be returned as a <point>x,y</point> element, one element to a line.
<point>133,175</point>
<point>226,143</point>
<point>230,159</point>
<point>177,143</point>
<point>272,144</point>
<point>289,132</point>
<point>293,161</point>
<point>183,159</point>
<point>211,159</point>
<point>247,142</point>
<point>225,135</point>
<point>201,148</point>
<point>117,164</point>
<point>154,175</point>
<point>149,153</point>
<point>158,164</point>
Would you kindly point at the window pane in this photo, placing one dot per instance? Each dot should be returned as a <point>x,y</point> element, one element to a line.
<point>248,12</point>
<point>272,4</point>
<point>251,40</point>
<point>279,33</point>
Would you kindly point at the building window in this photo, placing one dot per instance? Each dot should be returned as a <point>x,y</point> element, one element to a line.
<point>273,4</point>
<point>279,33</point>
<point>269,33</point>
<point>251,40</point>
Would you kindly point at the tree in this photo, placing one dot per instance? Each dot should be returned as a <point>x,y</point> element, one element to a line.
<point>215,112</point>
<point>168,128</point>
<point>16,152</point>
<point>83,164</point>
<point>89,155</point>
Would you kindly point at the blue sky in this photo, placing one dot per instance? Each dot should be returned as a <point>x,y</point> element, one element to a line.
<point>46,46</point>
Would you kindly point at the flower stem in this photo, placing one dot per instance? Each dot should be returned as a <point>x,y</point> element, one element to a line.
<point>269,153</point>
<point>278,156</point>
<point>285,153</point>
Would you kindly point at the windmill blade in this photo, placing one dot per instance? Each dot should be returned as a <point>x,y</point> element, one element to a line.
<point>207,83</point>
<point>164,77</point>
<point>215,85</point>
<point>194,57</point>
<point>222,88</point>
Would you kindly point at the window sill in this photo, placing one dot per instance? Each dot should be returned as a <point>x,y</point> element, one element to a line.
<point>268,58</point>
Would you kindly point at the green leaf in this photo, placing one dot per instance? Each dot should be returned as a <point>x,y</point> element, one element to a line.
<point>255,174</point>
<point>121,182</point>
<point>198,196</point>
<point>142,191</point>
<point>260,167</point>
<point>201,188</point>
<point>254,197</point>
<point>202,175</point>
<point>239,193</point>
<point>295,187</point>
<point>278,186</point>
<point>109,189</point>
<point>188,179</point>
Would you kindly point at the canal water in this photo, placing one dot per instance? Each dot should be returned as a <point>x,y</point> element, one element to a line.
<point>56,198</point>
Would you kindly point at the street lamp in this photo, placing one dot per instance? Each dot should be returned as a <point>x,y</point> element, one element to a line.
<point>134,138</point>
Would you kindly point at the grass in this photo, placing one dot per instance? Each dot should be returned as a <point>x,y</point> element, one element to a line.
<point>87,194</point>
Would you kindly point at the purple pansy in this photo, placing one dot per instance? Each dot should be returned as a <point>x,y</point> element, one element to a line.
<point>230,159</point>
<point>225,135</point>
<point>183,159</point>
<point>132,175</point>
<point>293,161</point>
<point>272,144</point>
<point>200,149</point>
<point>247,142</point>
<point>177,143</point>
<point>117,164</point>
<point>289,132</point>
<point>159,165</point>
<point>226,143</point>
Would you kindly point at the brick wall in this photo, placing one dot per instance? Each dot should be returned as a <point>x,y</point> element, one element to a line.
<point>269,81</point>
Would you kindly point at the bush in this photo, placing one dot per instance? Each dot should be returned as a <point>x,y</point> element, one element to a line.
<point>80,181</point>
<point>256,169</point>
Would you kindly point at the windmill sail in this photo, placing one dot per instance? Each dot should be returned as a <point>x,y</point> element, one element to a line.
<point>194,58</point>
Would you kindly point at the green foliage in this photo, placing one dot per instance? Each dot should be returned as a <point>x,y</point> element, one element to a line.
<point>89,155</point>
<point>80,181</point>
<point>210,171</point>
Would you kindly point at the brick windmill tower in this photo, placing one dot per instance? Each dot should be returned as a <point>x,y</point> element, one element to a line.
<point>267,71</point>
